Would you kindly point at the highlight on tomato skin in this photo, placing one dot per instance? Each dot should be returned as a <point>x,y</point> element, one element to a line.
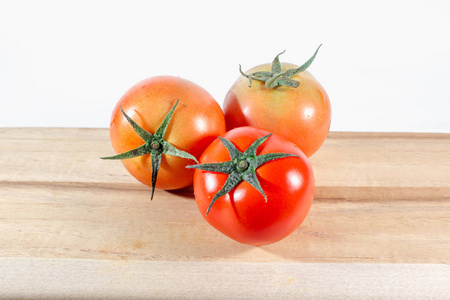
<point>297,108</point>
<point>245,213</point>
<point>197,119</point>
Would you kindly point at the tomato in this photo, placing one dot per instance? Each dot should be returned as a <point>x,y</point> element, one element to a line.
<point>196,121</point>
<point>300,114</point>
<point>250,212</point>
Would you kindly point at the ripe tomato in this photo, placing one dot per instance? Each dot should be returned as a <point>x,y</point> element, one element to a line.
<point>300,114</point>
<point>196,122</point>
<point>249,212</point>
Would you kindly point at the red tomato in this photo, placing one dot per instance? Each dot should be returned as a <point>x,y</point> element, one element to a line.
<point>300,114</point>
<point>243,213</point>
<point>196,122</point>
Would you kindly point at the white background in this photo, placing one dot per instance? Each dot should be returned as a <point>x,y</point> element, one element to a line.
<point>384,64</point>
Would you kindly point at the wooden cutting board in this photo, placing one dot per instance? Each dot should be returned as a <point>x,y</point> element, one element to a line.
<point>74,226</point>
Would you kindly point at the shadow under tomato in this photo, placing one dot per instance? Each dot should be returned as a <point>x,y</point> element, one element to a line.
<point>206,243</point>
<point>186,192</point>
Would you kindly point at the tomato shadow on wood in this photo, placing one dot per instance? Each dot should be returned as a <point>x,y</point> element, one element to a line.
<point>185,193</point>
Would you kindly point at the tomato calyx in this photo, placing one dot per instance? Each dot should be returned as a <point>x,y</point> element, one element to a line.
<point>154,144</point>
<point>240,167</point>
<point>277,77</point>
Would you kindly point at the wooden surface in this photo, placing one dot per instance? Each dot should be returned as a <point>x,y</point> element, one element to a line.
<point>75,226</point>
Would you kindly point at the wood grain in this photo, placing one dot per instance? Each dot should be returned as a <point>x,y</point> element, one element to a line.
<point>105,279</point>
<point>105,222</point>
<point>349,165</point>
<point>381,198</point>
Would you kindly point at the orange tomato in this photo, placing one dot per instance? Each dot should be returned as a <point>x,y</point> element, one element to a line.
<point>197,120</point>
<point>300,114</point>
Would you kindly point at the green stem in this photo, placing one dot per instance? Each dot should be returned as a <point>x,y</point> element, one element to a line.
<point>154,144</point>
<point>241,166</point>
<point>276,77</point>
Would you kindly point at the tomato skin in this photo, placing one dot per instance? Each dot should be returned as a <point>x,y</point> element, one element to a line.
<point>301,115</point>
<point>196,122</point>
<point>243,214</point>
